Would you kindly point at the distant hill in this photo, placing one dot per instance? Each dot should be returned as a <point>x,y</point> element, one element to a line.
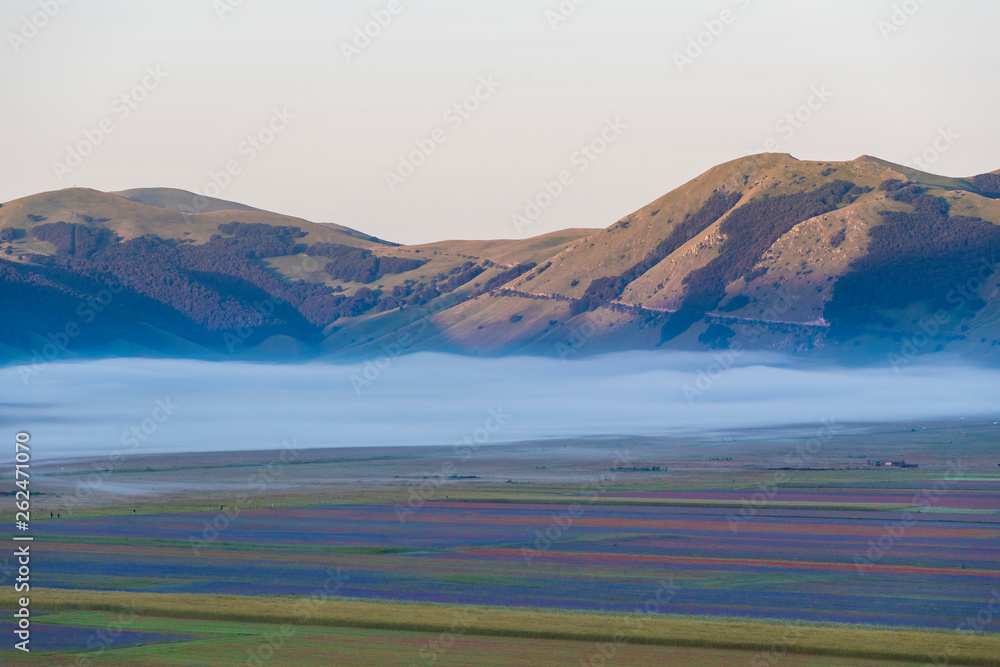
<point>182,201</point>
<point>857,261</point>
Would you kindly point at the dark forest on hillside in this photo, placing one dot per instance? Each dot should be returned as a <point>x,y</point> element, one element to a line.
<point>926,257</point>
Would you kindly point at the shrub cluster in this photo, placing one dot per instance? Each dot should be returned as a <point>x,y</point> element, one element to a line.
<point>505,277</point>
<point>72,239</point>
<point>360,265</point>
<point>988,185</point>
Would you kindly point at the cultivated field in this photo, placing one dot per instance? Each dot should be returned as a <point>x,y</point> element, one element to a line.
<point>769,547</point>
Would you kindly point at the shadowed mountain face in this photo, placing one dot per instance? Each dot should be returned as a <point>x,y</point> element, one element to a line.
<point>860,261</point>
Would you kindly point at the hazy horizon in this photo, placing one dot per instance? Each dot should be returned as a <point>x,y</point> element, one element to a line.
<point>341,116</point>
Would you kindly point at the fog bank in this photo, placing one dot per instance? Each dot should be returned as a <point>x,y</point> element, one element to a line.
<point>156,406</point>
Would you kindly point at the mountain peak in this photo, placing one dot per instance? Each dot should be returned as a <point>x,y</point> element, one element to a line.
<point>766,251</point>
<point>182,201</point>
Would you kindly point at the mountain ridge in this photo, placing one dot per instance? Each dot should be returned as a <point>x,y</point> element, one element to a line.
<point>764,252</point>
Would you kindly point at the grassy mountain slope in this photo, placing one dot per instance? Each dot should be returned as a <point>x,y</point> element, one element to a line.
<point>182,201</point>
<point>131,219</point>
<point>844,259</point>
<point>777,301</point>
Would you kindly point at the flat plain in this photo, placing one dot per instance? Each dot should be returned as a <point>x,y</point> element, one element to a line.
<point>762,546</point>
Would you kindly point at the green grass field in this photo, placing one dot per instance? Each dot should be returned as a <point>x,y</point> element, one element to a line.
<point>298,631</point>
<point>229,643</point>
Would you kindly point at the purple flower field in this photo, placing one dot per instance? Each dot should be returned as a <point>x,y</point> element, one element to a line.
<point>58,637</point>
<point>924,570</point>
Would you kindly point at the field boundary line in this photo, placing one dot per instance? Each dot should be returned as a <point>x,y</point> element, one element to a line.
<point>839,641</point>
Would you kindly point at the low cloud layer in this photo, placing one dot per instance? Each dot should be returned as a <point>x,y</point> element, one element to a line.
<point>153,406</point>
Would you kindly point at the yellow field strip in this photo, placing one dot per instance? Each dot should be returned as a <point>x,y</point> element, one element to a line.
<point>908,645</point>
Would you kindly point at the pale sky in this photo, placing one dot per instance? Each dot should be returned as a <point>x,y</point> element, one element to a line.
<point>223,75</point>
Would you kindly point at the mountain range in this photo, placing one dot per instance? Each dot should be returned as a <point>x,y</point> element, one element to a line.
<point>863,261</point>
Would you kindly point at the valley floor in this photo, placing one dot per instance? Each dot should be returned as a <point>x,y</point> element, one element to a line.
<point>778,546</point>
